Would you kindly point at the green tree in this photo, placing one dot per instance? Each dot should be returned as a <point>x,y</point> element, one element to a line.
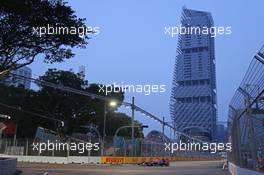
<point>20,45</point>
<point>75,110</point>
<point>14,102</point>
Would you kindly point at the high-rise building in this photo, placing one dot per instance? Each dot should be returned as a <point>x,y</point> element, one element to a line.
<point>15,81</point>
<point>193,105</point>
<point>82,71</point>
<point>221,133</point>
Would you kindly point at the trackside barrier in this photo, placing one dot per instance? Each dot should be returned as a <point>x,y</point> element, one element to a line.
<point>136,160</point>
<point>99,160</point>
<point>58,160</point>
<point>127,160</point>
<point>235,170</point>
<point>180,158</point>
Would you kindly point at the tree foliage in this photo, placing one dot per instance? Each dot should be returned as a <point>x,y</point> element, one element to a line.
<point>75,110</point>
<point>19,45</point>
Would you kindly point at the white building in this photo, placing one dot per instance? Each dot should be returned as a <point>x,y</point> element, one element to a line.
<point>25,72</point>
<point>193,98</point>
<point>82,71</point>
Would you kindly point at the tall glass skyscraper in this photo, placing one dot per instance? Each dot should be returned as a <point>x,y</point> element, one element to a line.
<point>12,80</point>
<point>193,104</point>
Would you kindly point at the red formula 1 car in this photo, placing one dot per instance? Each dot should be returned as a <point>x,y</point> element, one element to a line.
<point>157,162</point>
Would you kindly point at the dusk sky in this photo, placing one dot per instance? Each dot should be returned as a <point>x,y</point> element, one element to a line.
<point>132,48</point>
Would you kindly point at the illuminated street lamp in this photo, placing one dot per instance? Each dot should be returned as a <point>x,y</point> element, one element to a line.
<point>5,116</point>
<point>112,104</point>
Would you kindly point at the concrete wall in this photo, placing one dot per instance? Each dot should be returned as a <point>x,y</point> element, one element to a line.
<point>59,160</point>
<point>91,160</point>
<point>8,166</point>
<point>235,170</point>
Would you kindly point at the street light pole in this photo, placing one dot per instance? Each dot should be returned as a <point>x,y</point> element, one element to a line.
<point>133,125</point>
<point>112,104</point>
<point>115,136</point>
<point>123,127</point>
<point>91,127</point>
<point>163,129</point>
<point>104,128</point>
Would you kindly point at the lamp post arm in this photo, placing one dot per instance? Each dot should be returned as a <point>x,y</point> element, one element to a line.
<point>119,129</point>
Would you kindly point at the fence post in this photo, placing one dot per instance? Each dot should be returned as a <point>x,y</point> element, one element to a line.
<point>141,146</point>
<point>135,148</point>
<point>252,136</point>
<point>53,152</point>
<point>89,151</point>
<point>27,147</point>
<point>125,147</point>
<point>68,150</point>
<point>151,147</point>
<point>5,146</point>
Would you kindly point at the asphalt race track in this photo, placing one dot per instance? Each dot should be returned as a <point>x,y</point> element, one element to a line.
<point>176,168</point>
